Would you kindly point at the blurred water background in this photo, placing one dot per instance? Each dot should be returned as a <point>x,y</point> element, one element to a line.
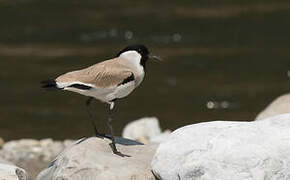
<point>223,60</point>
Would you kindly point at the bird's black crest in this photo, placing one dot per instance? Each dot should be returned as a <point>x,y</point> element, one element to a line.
<point>141,49</point>
<point>128,79</point>
<point>49,84</point>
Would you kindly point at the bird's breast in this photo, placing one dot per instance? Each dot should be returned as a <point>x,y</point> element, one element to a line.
<point>139,78</point>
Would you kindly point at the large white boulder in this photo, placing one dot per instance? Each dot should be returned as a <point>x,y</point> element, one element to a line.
<point>93,159</point>
<point>280,105</point>
<point>224,150</point>
<point>146,130</point>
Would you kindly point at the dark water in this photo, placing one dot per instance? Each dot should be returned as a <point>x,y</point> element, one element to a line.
<point>222,60</point>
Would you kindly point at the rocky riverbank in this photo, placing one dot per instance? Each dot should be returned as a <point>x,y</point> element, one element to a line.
<point>251,150</point>
<point>32,155</point>
<point>35,155</point>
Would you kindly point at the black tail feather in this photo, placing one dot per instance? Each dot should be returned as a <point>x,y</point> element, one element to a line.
<point>49,84</point>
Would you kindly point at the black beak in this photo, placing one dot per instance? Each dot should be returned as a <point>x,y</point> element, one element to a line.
<point>155,58</point>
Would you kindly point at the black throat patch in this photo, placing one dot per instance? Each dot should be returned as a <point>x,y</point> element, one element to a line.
<point>128,79</point>
<point>143,61</point>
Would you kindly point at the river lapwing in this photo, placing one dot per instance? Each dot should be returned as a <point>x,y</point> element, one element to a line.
<point>107,81</point>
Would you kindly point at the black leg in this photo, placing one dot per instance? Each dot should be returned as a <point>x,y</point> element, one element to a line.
<point>113,144</point>
<point>101,135</point>
<point>110,119</point>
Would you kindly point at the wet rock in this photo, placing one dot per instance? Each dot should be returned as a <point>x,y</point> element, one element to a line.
<point>33,155</point>
<point>226,150</point>
<point>146,130</point>
<point>280,105</point>
<point>11,172</point>
<point>93,159</point>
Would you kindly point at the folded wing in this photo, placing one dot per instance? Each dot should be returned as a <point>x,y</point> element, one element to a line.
<point>103,75</point>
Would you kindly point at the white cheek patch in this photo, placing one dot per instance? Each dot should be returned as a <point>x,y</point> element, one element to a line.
<point>132,57</point>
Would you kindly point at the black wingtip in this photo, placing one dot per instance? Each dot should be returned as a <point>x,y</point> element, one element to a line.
<point>49,84</point>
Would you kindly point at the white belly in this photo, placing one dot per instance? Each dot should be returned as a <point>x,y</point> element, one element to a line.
<point>139,78</point>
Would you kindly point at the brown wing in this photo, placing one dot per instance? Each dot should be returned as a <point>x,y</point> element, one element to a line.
<point>105,74</point>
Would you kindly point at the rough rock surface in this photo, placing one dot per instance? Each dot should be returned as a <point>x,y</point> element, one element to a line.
<point>146,130</point>
<point>280,105</point>
<point>93,159</point>
<point>32,155</point>
<point>224,150</point>
<point>11,172</point>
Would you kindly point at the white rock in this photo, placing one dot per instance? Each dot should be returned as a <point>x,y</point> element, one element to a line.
<point>11,172</point>
<point>280,105</point>
<point>145,130</point>
<point>33,155</point>
<point>93,159</point>
<point>160,138</point>
<point>2,161</point>
<point>147,127</point>
<point>223,150</point>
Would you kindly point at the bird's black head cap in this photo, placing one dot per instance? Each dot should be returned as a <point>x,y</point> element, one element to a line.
<point>141,49</point>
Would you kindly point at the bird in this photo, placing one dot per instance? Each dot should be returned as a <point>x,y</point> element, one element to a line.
<point>107,81</point>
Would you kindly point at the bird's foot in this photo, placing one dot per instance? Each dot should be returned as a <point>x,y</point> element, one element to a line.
<point>102,135</point>
<point>115,151</point>
<point>98,134</point>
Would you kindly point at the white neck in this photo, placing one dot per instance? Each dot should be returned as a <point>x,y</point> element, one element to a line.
<point>131,57</point>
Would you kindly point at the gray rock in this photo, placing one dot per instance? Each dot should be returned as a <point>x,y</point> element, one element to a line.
<point>93,159</point>
<point>224,150</point>
<point>33,155</point>
<point>280,105</point>
<point>146,130</point>
<point>11,172</point>
<point>5,162</point>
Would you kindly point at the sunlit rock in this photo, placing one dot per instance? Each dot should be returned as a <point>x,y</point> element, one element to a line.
<point>156,140</point>
<point>280,105</point>
<point>33,155</point>
<point>10,172</point>
<point>226,150</point>
<point>146,130</point>
<point>93,159</point>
